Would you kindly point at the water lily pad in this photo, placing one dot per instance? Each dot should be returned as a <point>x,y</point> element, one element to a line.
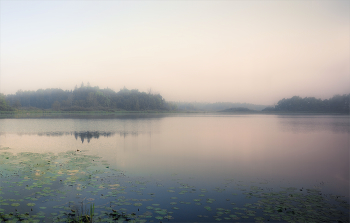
<point>208,208</point>
<point>162,212</point>
<point>210,200</point>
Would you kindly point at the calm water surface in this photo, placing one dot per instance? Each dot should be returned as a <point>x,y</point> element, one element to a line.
<point>191,159</point>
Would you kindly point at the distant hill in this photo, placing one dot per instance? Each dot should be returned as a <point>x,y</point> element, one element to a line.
<point>239,109</point>
<point>214,107</point>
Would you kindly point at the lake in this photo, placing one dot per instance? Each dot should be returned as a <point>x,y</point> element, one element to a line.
<point>175,167</point>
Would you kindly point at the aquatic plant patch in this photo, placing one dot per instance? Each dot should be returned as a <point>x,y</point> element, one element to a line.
<point>77,187</point>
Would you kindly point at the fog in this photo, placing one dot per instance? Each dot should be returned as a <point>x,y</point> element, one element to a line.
<point>206,51</point>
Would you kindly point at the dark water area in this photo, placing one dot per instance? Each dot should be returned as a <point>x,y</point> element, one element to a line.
<point>182,167</point>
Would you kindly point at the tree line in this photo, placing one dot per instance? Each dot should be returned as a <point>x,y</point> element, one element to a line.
<point>336,104</point>
<point>85,98</point>
<point>3,104</point>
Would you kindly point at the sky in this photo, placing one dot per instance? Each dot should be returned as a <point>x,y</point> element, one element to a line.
<point>206,51</point>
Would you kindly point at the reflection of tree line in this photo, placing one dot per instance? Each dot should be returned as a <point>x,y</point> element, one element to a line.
<point>125,134</point>
<point>89,135</point>
<point>85,135</point>
<point>306,124</point>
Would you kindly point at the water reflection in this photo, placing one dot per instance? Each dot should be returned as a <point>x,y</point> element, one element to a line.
<point>134,123</point>
<point>86,135</point>
<point>96,134</point>
<point>312,123</point>
<point>299,150</point>
<point>89,135</point>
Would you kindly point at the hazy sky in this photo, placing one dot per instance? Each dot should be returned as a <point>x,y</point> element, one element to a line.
<point>206,51</point>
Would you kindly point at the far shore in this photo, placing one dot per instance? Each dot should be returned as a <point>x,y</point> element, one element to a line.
<point>47,113</point>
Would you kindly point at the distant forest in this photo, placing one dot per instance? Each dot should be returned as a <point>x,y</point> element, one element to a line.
<point>84,98</point>
<point>336,104</point>
<point>87,98</point>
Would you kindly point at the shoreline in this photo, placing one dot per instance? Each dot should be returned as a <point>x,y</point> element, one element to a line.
<point>38,114</point>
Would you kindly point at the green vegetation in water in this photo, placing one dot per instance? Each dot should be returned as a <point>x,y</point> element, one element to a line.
<point>76,187</point>
<point>49,180</point>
